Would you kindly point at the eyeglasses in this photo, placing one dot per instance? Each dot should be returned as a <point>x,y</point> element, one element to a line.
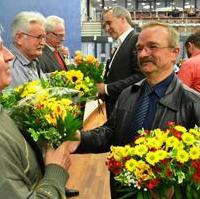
<point>150,49</point>
<point>59,36</point>
<point>39,37</point>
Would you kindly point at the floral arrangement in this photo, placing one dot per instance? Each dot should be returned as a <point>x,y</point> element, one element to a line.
<point>48,114</point>
<point>74,79</point>
<point>10,97</point>
<point>89,66</point>
<point>158,160</point>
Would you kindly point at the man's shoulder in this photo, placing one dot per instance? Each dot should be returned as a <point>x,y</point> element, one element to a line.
<point>190,95</point>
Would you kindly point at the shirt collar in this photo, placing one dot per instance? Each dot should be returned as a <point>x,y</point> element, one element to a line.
<point>123,36</point>
<point>161,87</point>
<point>23,60</point>
<point>51,47</point>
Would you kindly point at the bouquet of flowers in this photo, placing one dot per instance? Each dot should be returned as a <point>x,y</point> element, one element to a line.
<point>89,66</point>
<point>74,79</point>
<point>47,114</point>
<point>158,161</point>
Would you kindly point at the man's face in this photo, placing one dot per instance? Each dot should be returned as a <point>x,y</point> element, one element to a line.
<point>32,42</point>
<point>57,36</point>
<point>155,56</point>
<point>113,25</point>
<point>5,57</point>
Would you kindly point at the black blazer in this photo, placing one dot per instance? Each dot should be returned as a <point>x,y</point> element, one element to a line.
<point>48,61</point>
<point>123,72</point>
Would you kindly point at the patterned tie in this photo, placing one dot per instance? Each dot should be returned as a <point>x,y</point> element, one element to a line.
<point>142,106</point>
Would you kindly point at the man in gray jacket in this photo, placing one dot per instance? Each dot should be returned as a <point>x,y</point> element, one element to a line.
<point>150,103</point>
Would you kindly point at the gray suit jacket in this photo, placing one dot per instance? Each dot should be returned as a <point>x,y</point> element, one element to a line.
<point>48,61</point>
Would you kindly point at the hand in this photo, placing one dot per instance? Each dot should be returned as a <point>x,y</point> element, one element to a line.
<point>59,156</point>
<point>101,88</point>
<point>168,194</point>
<point>73,145</point>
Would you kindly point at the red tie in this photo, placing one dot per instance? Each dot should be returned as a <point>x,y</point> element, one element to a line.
<point>60,60</point>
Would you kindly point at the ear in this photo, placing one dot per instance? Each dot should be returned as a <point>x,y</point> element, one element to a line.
<point>175,53</point>
<point>19,38</point>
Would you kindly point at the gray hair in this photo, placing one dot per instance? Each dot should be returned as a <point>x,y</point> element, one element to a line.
<point>173,35</point>
<point>119,11</point>
<point>23,20</point>
<point>52,21</point>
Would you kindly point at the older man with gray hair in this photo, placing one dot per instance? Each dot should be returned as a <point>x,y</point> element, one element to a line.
<point>28,39</point>
<point>53,57</point>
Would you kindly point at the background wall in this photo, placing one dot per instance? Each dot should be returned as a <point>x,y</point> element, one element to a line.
<point>67,9</point>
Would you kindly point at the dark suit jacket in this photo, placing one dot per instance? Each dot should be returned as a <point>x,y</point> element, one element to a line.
<point>48,61</point>
<point>123,72</point>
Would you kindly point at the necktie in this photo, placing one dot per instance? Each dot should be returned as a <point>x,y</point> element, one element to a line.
<point>142,106</point>
<point>60,60</point>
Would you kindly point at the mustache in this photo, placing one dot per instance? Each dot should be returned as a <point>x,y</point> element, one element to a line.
<point>146,60</point>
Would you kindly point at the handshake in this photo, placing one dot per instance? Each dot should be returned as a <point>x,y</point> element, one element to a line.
<point>61,155</point>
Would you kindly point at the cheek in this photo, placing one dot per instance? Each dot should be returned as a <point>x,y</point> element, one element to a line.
<point>5,78</point>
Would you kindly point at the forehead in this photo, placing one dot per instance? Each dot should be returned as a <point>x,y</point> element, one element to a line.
<point>108,15</point>
<point>155,34</point>
<point>36,27</point>
<point>59,27</point>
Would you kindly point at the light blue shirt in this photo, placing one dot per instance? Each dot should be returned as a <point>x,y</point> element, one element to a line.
<point>22,69</point>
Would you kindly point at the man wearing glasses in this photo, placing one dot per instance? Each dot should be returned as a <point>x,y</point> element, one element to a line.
<point>53,57</point>
<point>28,39</point>
<point>150,103</point>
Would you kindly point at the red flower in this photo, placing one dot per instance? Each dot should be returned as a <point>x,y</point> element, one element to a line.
<point>170,123</point>
<point>176,133</point>
<point>153,183</point>
<point>196,177</point>
<point>168,172</point>
<point>165,161</point>
<point>196,164</point>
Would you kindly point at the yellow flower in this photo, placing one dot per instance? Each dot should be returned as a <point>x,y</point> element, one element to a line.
<point>130,165</point>
<point>117,152</point>
<point>82,88</point>
<point>194,153</point>
<point>140,140</point>
<point>51,119</point>
<point>140,150</point>
<point>154,143</point>
<point>66,101</point>
<point>180,128</point>
<point>77,52</point>
<point>182,156</point>
<point>161,154</point>
<point>172,141</point>
<point>143,171</point>
<point>78,59</point>
<point>188,138</point>
<point>90,59</point>
<point>195,132</point>
<point>152,158</point>
<point>74,76</point>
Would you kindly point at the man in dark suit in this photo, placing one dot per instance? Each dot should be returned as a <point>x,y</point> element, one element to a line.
<point>122,68</point>
<point>53,57</point>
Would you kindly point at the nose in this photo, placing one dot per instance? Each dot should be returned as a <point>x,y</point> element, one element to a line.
<point>106,27</point>
<point>43,41</point>
<point>143,52</point>
<point>8,56</point>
